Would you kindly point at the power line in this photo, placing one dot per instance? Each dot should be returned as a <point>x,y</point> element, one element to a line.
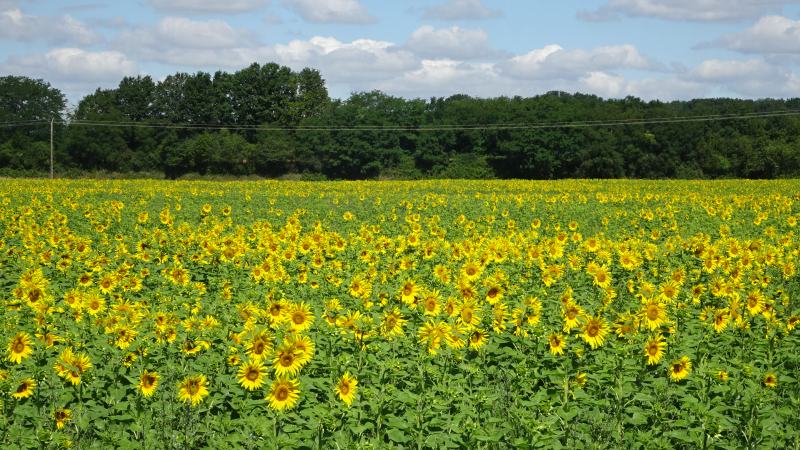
<point>487,127</point>
<point>442,127</point>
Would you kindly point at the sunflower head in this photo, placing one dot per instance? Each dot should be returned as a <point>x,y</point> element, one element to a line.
<point>283,393</point>
<point>148,383</point>
<point>346,388</point>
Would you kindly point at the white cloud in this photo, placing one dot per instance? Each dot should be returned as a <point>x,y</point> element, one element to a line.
<point>454,42</point>
<point>15,24</point>
<point>73,65</point>
<point>553,61</point>
<point>330,11</point>
<point>438,78</point>
<point>697,10</point>
<point>209,6</point>
<point>749,78</point>
<point>178,40</point>
<point>461,10</point>
<point>769,35</point>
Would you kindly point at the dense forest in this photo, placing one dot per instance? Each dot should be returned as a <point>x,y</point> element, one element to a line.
<point>283,123</point>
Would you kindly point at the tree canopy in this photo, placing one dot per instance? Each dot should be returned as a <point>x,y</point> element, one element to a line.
<point>284,122</point>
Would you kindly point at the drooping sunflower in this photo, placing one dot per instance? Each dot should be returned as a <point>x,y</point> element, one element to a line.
<point>477,339</point>
<point>251,375</point>
<point>680,368</point>
<point>654,349</point>
<point>771,380</point>
<point>24,389</point>
<point>556,343</point>
<point>283,394</point>
<point>287,360</point>
<point>61,417</point>
<point>594,331</point>
<point>19,348</point>
<point>346,388</point>
<point>148,383</point>
<point>193,389</point>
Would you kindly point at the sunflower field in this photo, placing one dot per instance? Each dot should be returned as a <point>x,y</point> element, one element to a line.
<point>433,314</point>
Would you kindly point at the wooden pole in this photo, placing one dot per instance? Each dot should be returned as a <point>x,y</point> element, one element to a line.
<point>51,148</point>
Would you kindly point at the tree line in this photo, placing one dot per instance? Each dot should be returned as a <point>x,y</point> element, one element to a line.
<point>284,123</point>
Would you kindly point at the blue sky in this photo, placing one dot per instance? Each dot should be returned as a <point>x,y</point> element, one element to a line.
<point>653,49</point>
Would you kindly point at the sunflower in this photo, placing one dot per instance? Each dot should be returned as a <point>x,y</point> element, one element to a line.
<point>654,349</point>
<point>193,389</point>
<point>392,323</point>
<point>283,394</point>
<point>654,314</point>
<point>260,346</point>
<point>148,383</point>
<point>301,317</point>
<point>594,331</point>
<point>287,360</point>
<point>409,291</point>
<point>680,368</point>
<point>770,380</point>
<point>572,314</point>
<point>468,314</point>
<point>557,343</point>
<point>24,389</point>
<point>721,319</point>
<point>602,277</point>
<point>722,375</point>
<point>346,388</point>
<point>251,375</point>
<point>19,348</point>
<point>62,416</point>
<point>477,339</point>
<point>304,348</point>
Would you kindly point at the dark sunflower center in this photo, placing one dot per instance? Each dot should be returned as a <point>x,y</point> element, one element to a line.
<point>298,318</point>
<point>193,388</point>
<point>253,374</point>
<point>652,312</point>
<point>344,388</point>
<point>593,330</point>
<point>282,393</point>
<point>19,346</point>
<point>287,359</point>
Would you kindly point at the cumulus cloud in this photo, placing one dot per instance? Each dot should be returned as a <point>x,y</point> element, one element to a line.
<point>73,65</point>
<point>749,78</point>
<point>178,40</point>
<point>209,6</point>
<point>769,35</point>
<point>15,24</point>
<point>696,10</point>
<point>553,61</point>
<point>460,10</point>
<point>454,43</point>
<point>330,11</point>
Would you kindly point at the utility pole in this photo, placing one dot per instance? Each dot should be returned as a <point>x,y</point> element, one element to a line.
<point>51,148</point>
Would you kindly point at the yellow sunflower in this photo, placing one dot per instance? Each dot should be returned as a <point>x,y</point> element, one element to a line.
<point>62,416</point>
<point>572,314</point>
<point>477,339</point>
<point>24,389</point>
<point>148,383</point>
<point>193,389</point>
<point>19,348</point>
<point>594,331</point>
<point>260,346</point>
<point>654,314</point>
<point>680,368</point>
<point>251,375</point>
<point>557,343</point>
<point>654,349</point>
<point>770,380</point>
<point>300,317</point>
<point>283,393</point>
<point>287,360</point>
<point>346,388</point>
